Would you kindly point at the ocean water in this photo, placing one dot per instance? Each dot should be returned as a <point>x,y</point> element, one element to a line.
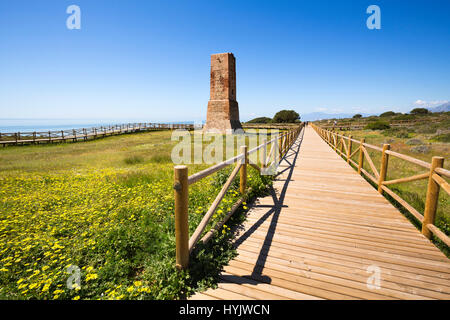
<point>30,125</point>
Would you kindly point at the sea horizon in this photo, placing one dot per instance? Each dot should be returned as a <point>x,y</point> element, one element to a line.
<point>44,125</point>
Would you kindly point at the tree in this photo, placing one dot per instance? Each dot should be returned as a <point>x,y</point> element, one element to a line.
<point>260,120</point>
<point>387,114</point>
<point>286,116</point>
<point>357,116</point>
<point>419,111</point>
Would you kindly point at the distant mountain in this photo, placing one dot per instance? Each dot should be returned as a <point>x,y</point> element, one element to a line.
<point>441,108</point>
<point>321,115</point>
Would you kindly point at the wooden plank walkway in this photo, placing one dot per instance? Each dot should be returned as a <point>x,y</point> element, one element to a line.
<point>323,233</point>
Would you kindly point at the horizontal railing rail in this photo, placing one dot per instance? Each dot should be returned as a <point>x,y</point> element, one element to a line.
<point>279,146</point>
<point>343,145</point>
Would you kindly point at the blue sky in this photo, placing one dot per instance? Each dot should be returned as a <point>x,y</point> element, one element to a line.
<point>150,60</point>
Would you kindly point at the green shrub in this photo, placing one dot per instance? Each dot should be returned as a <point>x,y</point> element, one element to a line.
<point>357,116</point>
<point>428,128</point>
<point>390,131</point>
<point>377,125</point>
<point>404,117</point>
<point>286,116</point>
<point>419,111</point>
<point>396,132</point>
<point>403,134</point>
<point>260,120</point>
<point>387,114</point>
<point>372,118</point>
<point>445,137</point>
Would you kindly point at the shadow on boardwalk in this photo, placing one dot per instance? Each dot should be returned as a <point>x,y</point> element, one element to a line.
<point>287,165</point>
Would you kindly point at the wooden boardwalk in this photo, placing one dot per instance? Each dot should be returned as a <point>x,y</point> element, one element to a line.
<point>83,134</point>
<point>325,233</point>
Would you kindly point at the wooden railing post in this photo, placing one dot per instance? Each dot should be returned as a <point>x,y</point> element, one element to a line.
<point>341,148</point>
<point>264,154</point>
<point>280,147</point>
<point>349,148</point>
<point>181,216</point>
<point>384,166</point>
<point>335,141</point>
<point>432,197</point>
<point>288,142</point>
<point>243,170</point>
<point>361,155</point>
<point>288,139</point>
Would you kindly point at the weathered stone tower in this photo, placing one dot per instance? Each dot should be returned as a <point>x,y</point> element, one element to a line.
<point>223,109</point>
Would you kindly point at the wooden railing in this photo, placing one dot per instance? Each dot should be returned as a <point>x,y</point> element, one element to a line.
<point>361,124</point>
<point>435,174</point>
<point>184,245</point>
<point>84,134</point>
<point>282,126</point>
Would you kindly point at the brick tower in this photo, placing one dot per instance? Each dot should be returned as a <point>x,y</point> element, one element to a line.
<point>223,109</point>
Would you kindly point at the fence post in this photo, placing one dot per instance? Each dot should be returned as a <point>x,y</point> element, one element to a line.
<point>349,147</point>
<point>181,216</point>
<point>384,165</point>
<point>280,147</point>
<point>290,139</point>
<point>243,170</point>
<point>264,154</point>
<point>432,197</point>
<point>361,155</point>
<point>341,148</point>
<point>335,141</point>
<point>285,143</point>
<point>288,142</point>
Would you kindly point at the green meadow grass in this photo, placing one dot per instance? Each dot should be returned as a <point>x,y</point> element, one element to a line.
<point>107,207</point>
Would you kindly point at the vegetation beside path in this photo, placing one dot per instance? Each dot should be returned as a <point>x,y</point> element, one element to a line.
<point>107,207</point>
